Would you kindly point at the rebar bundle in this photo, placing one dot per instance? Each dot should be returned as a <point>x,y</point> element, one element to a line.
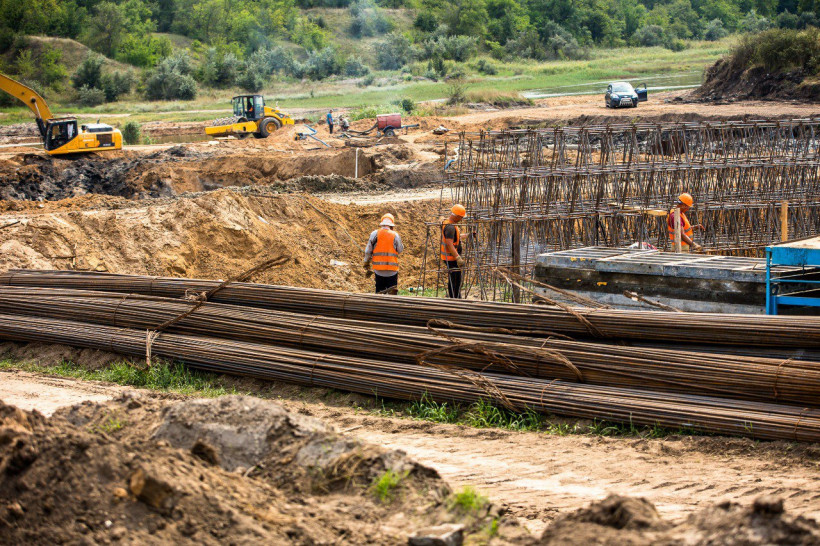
<point>539,190</point>
<point>707,328</point>
<point>400,381</point>
<point>747,377</point>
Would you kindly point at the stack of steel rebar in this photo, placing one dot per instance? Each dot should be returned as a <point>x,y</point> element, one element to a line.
<point>407,348</point>
<point>710,328</point>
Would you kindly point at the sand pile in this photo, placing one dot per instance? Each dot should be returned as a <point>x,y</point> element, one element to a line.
<point>214,235</point>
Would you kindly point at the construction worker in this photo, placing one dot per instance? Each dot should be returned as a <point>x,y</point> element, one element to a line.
<point>687,230</point>
<point>451,250</point>
<point>330,121</point>
<point>382,255</point>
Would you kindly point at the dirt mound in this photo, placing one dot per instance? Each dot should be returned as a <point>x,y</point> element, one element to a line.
<point>632,521</point>
<point>728,81</point>
<point>140,470</point>
<point>214,235</point>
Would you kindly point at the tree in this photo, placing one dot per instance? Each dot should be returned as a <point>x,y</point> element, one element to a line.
<point>715,31</point>
<point>89,73</point>
<point>467,17</point>
<point>106,28</point>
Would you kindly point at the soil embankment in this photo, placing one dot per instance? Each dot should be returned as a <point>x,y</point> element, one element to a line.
<point>213,235</point>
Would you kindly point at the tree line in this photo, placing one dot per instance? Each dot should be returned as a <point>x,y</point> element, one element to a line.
<point>232,43</point>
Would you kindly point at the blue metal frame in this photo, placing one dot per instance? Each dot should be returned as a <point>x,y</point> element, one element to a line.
<point>786,255</point>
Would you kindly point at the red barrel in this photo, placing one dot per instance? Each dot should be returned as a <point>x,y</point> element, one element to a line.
<point>388,120</point>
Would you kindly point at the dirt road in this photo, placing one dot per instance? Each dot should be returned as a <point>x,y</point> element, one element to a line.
<point>537,475</point>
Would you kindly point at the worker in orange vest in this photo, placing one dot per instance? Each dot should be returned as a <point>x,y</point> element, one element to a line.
<point>382,255</point>
<point>687,230</point>
<point>451,250</point>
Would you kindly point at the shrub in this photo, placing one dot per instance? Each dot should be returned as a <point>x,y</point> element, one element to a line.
<point>171,79</point>
<point>486,67</point>
<point>754,23</point>
<point>145,51</point>
<point>367,81</point>
<point>454,48</point>
<point>715,31</point>
<point>273,60</point>
<point>787,20</point>
<point>368,20</point>
<point>649,36</point>
<point>456,91</point>
<point>407,104</point>
<point>675,44</point>
<point>321,64</point>
<point>394,52</point>
<point>90,96</point>
<point>251,80</point>
<point>131,133</point>
<point>426,22</point>
<point>220,68</point>
<point>116,84</point>
<point>89,73</point>
<point>354,67</point>
<point>779,50</point>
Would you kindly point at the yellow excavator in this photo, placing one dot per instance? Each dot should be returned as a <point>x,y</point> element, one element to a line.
<point>60,135</point>
<point>250,117</point>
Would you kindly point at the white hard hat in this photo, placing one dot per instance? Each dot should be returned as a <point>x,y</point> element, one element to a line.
<point>387,222</point>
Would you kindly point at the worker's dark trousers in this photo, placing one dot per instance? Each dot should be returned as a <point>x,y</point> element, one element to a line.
<point>330,126</point>
<point>454,280</point>
<point>383,283</point>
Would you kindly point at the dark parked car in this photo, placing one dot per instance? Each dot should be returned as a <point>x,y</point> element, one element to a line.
<point>620,94</point>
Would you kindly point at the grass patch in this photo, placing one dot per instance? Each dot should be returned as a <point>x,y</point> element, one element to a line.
<point>386,486</point>
<point>112,423</point>
<point>162,376</point>
<point>468,501</point>
<point>502,99</point>
<point>484,414</point>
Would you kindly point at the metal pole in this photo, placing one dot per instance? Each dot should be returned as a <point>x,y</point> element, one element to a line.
<point>677,230</point>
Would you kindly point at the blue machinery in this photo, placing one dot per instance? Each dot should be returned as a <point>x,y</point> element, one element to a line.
<point>805,286</point>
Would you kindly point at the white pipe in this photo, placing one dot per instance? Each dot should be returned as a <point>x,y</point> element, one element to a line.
<point>356,173</point>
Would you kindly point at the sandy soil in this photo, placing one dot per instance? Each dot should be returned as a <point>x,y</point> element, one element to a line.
<point>537,476</point>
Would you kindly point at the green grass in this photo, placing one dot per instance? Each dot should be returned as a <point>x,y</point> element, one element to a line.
<point>468,501</point>
<point>162,376</point>
<point>112,423</point>
<point>484,414</point>
<point>386,486</point>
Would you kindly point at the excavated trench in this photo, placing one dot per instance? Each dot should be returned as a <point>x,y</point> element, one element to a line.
<point>179,169</point>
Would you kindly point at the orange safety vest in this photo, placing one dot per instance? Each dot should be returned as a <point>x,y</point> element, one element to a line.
<point>445,255</point>
<point>385,257</point>
<point>686,228</point>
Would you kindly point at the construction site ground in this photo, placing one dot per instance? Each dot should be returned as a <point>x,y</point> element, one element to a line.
<point>534,476</point>
<point>213,209</point>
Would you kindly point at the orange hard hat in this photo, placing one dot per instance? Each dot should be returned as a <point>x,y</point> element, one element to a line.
<point>459,210</point>
<point>388,220</point>
<point>686,199</point>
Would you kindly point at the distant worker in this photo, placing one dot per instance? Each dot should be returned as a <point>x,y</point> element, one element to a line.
<point>451,250</point>
<point>345,123</point>
<point>687,230</point>
<point>330,121</point>
<point>382,255</point>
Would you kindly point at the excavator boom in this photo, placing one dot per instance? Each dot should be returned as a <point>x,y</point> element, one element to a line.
<point>29,97</point>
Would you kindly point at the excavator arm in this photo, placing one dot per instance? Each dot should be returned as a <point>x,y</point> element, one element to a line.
<point>30,98</point>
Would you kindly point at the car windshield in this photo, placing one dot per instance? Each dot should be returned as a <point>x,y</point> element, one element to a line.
<point>622,87</point>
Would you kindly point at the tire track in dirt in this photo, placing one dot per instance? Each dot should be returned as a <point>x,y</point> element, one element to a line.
<point>539,476</point>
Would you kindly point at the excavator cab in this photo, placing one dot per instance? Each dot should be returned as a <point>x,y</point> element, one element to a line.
<point>250,107</point>
<point>59,133</point>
